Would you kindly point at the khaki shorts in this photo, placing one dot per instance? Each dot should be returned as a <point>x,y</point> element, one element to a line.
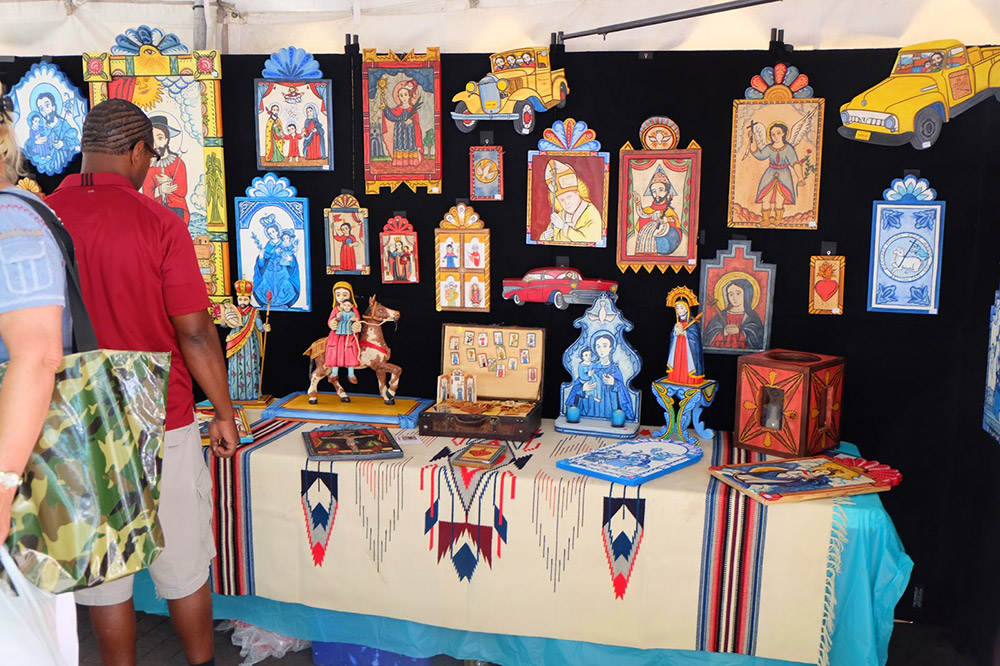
<point>185,514</point>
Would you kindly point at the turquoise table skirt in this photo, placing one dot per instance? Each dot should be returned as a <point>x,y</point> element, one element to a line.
<point>874,573</point>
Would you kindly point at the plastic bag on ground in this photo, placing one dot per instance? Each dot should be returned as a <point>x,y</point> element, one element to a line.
<point>258,644</point>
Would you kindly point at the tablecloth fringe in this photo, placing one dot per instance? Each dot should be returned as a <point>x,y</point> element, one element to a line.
<point>838,540</point>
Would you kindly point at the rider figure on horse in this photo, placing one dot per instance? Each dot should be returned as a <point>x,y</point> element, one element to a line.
<point>342,346</point>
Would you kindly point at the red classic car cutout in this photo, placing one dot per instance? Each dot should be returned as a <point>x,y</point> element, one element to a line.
<point>558,285</point>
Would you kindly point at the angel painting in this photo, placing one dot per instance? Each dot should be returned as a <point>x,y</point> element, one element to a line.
<point>784,173</point>
<point>777,132</point>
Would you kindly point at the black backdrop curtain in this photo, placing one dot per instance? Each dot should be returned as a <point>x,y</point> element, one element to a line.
<point>914,385</point>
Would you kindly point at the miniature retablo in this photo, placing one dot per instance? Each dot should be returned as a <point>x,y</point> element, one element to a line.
<point>600,399</point>
<point>559,285</point>
<point>684,391</point>
<point>490,383</point>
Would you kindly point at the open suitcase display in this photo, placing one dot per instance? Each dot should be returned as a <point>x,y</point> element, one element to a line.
<point>490,383</point>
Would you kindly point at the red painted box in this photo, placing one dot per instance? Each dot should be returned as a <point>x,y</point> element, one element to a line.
<point>788,402</point>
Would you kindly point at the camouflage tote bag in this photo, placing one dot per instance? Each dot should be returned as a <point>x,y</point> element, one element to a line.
<point>85,512</point>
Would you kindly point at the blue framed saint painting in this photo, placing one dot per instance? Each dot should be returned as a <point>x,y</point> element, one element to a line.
<point>991,402</point>
<point>272,245</point>
<point>48,117</point>
<point>904,270</point>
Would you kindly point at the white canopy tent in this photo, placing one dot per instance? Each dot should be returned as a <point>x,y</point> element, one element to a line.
<point>56,27</point>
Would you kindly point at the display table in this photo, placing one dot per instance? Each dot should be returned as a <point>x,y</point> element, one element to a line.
<point>525,564</point>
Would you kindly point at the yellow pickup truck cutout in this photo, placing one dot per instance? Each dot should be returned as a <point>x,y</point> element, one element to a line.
<point>930,84</point>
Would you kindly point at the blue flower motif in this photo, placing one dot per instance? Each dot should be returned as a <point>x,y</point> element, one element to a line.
<point>925,218</point>
<point>293,63</point>
<point>920,296</point>
<point>891,218</point>
<point>271,187</point>
<point>886,294</point>
<point>909,189</point>
<point>133,39</point>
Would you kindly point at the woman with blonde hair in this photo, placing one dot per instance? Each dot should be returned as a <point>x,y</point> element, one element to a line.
<point>35,330</point>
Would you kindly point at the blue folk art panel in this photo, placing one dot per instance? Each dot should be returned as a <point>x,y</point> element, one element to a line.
<point>991,402</point>
<point>600,400</point>
<point>294,114</point>
<point>904,273</point>
<point>272,245</point>
<point>48,117</point>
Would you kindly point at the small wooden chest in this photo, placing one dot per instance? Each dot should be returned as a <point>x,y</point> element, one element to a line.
<point>788,402</point>
<point>506,363</point>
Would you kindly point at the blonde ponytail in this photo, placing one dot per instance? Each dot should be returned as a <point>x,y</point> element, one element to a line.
<point>11,164</point>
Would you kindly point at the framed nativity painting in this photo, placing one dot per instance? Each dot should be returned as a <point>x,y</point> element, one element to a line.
<point>398,251</point>
<point>776,152</point>
<point>347,239</point>
<point>401,120</point>
<point>294,114</point>
<point>658,190</point>
<point>272,245</point>
<point>737,292</point>
<point>179,91</point>
<point>904,270</point>
<point>462,261</point>
<point>568,187</point>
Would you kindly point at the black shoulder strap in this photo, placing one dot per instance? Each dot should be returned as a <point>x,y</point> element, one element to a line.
<point>84,338</point>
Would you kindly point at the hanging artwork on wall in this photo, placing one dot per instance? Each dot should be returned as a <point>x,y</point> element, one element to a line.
<point>737,291</point>
<point>294,108</point>
<point>991,403</point>
<point>826,284</point>
<point>658,190</point>
<point>521,83</point>
<point>600,399</point>
<point>462,261</point>
<point>402,120</point>
<point>179,91</point>
<point>929,85</point>
<point>347,240</point>
<point>272,245</point>
<point>904,270</point>
<point>568,187</point>
<point>48,117</point>
<point>776,152</point>
<point>486,173</point>
<point>398,251</point>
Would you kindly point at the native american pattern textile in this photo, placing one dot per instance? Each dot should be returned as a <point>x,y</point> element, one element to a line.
<point>231,480</point>
<point>519,548</point>
<point>732,553</point>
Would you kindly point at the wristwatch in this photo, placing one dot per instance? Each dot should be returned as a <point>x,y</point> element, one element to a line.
<point>9,480</point>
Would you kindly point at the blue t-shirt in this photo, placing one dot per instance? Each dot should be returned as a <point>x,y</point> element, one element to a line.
<point>32,272</point>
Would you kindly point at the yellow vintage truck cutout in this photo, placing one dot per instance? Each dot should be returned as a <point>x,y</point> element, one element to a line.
<point>520,84</point>
<point>930,84</point>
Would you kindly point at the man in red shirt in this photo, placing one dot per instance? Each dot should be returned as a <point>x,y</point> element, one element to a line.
<point>144,291</point>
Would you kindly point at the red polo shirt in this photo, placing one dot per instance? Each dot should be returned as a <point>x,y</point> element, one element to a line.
<point>137,269</point>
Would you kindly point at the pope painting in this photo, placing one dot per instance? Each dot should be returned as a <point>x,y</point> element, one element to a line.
<point>574,218</point>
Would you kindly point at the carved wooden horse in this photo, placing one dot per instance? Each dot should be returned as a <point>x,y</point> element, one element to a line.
<point>374,354</point>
